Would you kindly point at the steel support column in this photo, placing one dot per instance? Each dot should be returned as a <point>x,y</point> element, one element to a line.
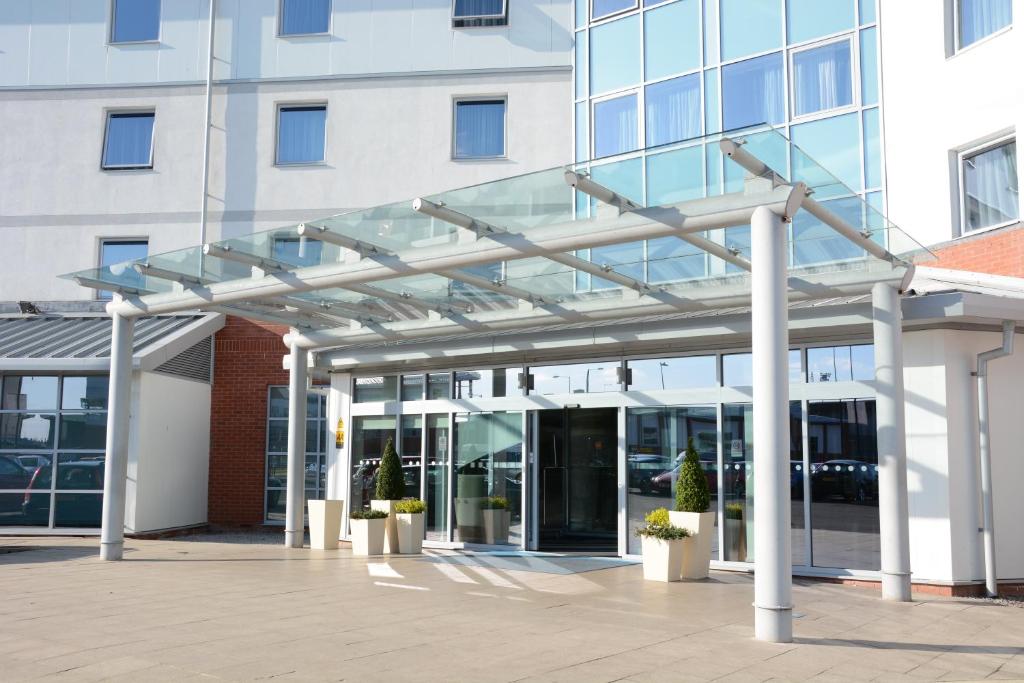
<point>294,529</point>
<point>115,477</point>
<point>773,567</point>
<point>894,522</point>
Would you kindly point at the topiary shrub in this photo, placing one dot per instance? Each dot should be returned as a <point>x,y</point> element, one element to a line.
<point>390,482</point>
<point>692,493</point>
<point>413,506</point>
<point>368,514</point>
<point>496,503</point>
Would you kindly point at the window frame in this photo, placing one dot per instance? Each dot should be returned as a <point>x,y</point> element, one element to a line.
<point>147,41</point>
<point>853,40</point>
<point>282,106</point>
<point>473,19</point>
<point>962,155</point>
<point>953,38</point>
<point>641,121</point>
<point>280,22</point>
<point>459,99</point>
<point>109,114</point>
<point>593,18</point>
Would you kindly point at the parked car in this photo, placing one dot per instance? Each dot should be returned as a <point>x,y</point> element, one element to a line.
<point>77,475</point>
<point>850,480</point>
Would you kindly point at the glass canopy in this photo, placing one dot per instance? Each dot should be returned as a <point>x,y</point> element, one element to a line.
<point>677,176</point>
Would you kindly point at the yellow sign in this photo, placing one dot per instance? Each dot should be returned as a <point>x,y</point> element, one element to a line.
<point>339,435</point>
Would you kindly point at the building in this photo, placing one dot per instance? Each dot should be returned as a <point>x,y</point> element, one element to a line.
<point>318,110</point>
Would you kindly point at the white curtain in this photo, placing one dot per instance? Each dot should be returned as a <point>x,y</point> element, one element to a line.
<point>979,18</point>
<point>673,111</point>
<point>991,187</point>
<point>753,92</point>
<point>301,135</point>
<point>129,138</point>
<point>823,78</point>
<point>615,126</point>
<point>480,129</point>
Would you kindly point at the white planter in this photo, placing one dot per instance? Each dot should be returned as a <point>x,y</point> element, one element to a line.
<point>663,560</point>
<point>736,540</point>
<point>391,533</point>
<point>368,536</point>
<point>696,548</point>
<point>410,532</point>
<point>496,524</point>
<point>324,523</point>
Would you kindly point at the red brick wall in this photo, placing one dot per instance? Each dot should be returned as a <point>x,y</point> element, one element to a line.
<point>1000,252</point>
<point>247,360</point>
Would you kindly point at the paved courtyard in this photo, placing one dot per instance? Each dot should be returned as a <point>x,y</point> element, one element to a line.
<point>176,609</point>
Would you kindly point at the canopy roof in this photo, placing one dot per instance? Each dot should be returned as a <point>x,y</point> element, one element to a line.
<point>608,239</point>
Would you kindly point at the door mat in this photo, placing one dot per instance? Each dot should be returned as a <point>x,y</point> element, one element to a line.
<point>530,562</point>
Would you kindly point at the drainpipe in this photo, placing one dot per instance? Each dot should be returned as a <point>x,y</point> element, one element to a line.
<point>206,128</point>
<point>985,455</point>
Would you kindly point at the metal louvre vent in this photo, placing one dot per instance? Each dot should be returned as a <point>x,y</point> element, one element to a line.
<point>192,363</point>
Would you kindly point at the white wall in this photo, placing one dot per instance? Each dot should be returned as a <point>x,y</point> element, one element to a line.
<point>935,106</point>
<point>170,453</point>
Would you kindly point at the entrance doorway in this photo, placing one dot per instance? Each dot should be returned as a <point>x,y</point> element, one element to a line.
<point>577,479</point>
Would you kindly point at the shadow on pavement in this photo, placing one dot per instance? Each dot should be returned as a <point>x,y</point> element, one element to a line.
<point>922,647</point>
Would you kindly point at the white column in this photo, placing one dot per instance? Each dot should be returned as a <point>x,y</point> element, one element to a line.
<point>894,520</point>
<point>294,527</point>
<point>773,567</point>
<point>115,475</point>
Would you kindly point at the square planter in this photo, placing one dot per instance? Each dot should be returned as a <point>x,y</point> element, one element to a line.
<point>368,536</point>
<point>696,548</point>
<point>324,523</point>
<point>410,532</point>
<point>496,526</point>
<point>663,560</point>
<point>736,540</point>
<point>391,531</point>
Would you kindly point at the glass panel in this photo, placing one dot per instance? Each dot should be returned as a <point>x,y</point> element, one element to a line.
<point>85,393</point>
<point>711,108</point>
<point>713,157</point>
<point>738,464</point>
<point>439,385</point>
<point>20,471</point>
<point>752,92</point>
<point>487,383</point>
<point>602,8</point>
<point>673,110</point>
<point>16,511</point>
<point>841,363</point>
<point>834,143</point>
<point>371,389</point>
<point>114,254</point>
<point>129,141</point>
<point>672,39</point>
<point>135,20</point>
<point>297,251</point>
<point>278,402</point>
<point>479,8</point>
<point>872,149</point>
<point>615,55</point>
<point>313,436</point>
<point>673,260</point>
<point>844,483</point>
<point>581,14</point>
<point>29,393</point>
<point>78,510</point>
<point>675,177</point>
<point>869,66</point>
<point>991,187</point>
<point>300,134</point>
<point>809,19</point>
<point>80,471</point>
<point>816,243</point>
<point>83,430</point>
<point>690,372</point>
<point>369,436</point>
<point>750,26</point>
<point>867,11</point>
<point>277,436</point>
<point>581,64</point>
<point>575,379</point>
<point>822,78</point>
<point>710,32</point>
<point>412,387</point>
<point>656,441</point>
<point>582,131</point>
<point>27,430</point>
<point>437,477</point>
<point>479,129</point>
<point>738,369</point>
<point>276,505</point>
<point>277,471</point>
<point>797,522</point>
<point>488,462</point>
<point>979,18</point>
<point>409,448</point>
<point>623,177</point>
<point>312,475</point>
<point>305,16</point>
<point>615,126</point>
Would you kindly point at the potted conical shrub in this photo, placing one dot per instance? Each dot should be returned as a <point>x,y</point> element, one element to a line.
<point>390,489</point>
<point>368,531</point>
<point>662,546</point>
<point>496,520</point>
<point>409,516</point>
<point>691,513</point>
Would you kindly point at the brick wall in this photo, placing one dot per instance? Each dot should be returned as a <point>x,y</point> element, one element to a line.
<point>999,252</point>
<point>247,360</point>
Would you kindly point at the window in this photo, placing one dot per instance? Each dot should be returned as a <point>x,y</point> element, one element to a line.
<point>315,470</point>
<point>673,110</point>
<point>604,8</point>
<point>976,19</point>
<point>750,26</point>
<point>305,17</point>
<point>373,389</point>
<point>474,13</point>
<point>615,126</point>
<point>822,78</point>
<point>841,363</point>
<point>297,251</point>
<point>301,134</point>
<point>616,56</point>
<point>114,252</point>
<point>479,129</point>
<point>991,194</point>
<point>752,92</point>
<point>129,140</point>
<point>135,21</point>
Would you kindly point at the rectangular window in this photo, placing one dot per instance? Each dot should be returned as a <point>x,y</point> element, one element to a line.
<point>673,110</point>
<point>690,372</point>
<point>474,13</point>
<point>113,252</point>
<point>315,471</point>
<point>991,193</point>
<point>979,18</point>
<point>129,140</point>
<point>297,251</point>
<point>373,389</point>
<point>615,126</point>
<point>135,21</point>
<point>305,17</point>
<point>823,78</point>
<point>841,363</point>
<point>605,8</point>
<point>301,131</point>
<point>752,92</point>
<point>479,129</point>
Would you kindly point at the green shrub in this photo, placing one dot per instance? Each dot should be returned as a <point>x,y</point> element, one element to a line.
<point>368,514</point>
<point>390,482</point>
<point>413,506</point>
<point>692,493</point>
<point>496,503</point>
<point>658,526</point>
<point>657,517</point>
<point>734,511</point>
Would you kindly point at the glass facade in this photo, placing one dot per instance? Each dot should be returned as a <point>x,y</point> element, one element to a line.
<point>52,440</point>
<point>277,450</point>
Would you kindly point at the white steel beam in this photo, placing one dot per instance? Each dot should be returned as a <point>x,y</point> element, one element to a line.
<point>93,283</point>
<point>115,475</point>
<point>150,270</point>
<point>229,253</point>
<point>409,299</point>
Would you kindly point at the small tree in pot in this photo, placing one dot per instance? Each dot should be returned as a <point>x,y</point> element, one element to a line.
<point>692,500</point>
<point>409,515</point>
<point>390,489</point>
